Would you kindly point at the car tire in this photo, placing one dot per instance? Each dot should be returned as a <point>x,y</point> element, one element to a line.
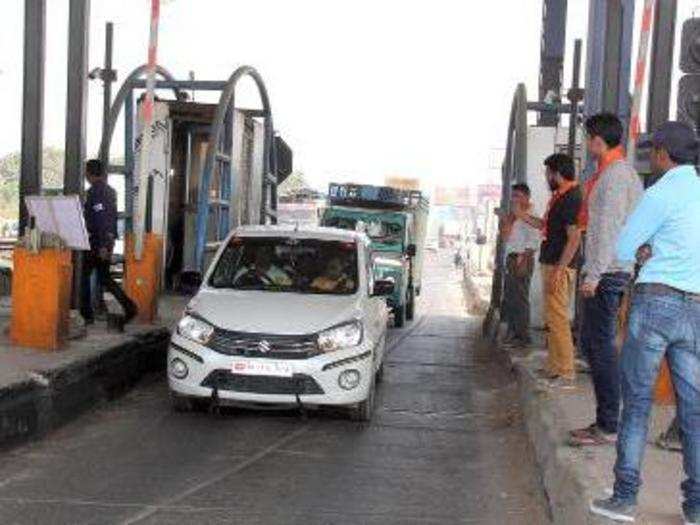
<point>400,316</point>
<point>363,411</point>
<point>182,404</point>
<point>379,375</point>
<point>410,305</point>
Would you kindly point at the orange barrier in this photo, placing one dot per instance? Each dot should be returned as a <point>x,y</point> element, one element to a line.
<point>142,278</point>
<point>41,292</point>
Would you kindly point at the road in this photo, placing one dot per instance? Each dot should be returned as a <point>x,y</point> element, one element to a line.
<point>446,446</point>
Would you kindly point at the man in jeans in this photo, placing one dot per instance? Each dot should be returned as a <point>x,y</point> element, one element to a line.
<point>522,241</point>
<point>558,257</point>
<point>610,196</point>
<point>664,320</point>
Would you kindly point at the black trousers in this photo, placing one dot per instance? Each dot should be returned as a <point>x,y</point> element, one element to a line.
<point>516,296</point>
<point>92,262</point>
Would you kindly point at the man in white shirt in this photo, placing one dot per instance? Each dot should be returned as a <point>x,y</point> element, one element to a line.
<point>522,241</point>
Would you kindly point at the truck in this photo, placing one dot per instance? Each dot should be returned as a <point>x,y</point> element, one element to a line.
<point>396,221</point>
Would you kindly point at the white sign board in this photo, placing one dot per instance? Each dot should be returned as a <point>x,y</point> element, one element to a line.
<point>158,168</point>
<point>62,216</point>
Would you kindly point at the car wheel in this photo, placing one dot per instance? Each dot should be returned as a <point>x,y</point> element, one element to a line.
<point>364,409</point>
<point>410,305</point>
<point>400,316</point>
<point>186,404</point>
<point>379,374</point>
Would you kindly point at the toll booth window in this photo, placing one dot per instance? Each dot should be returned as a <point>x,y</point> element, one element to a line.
<point>288,265</point>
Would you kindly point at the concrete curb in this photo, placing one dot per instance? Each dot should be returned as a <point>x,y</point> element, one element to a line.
<point>569,484</point>
<point>48,399</point>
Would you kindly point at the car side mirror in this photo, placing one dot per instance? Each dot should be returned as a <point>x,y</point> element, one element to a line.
<point>411,250</point>
<point>383,288</point>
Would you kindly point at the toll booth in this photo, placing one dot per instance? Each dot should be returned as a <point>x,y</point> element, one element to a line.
<point>212,167</point>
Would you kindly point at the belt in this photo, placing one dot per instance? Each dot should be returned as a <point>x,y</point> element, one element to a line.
<point>664,289</point>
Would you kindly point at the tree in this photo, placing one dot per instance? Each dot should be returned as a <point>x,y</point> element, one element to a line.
<point>293,185</point>
<point>52,178</point>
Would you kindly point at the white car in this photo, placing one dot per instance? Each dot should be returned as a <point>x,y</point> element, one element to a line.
<point>284,316</point>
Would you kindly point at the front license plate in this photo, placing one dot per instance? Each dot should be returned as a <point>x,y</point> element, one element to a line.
<point>262,368</point>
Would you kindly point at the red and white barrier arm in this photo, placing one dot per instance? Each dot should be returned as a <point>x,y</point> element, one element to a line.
<point>139,221</point>
<point>639,77</point>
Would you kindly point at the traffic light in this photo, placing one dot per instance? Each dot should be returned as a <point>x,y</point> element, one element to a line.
<point>689,85</point>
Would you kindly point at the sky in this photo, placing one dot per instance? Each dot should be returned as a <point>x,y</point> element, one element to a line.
<point>359,89</point>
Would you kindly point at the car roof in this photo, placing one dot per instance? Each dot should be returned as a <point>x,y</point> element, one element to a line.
<point>301,232</point>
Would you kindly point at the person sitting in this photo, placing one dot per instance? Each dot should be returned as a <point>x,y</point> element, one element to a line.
<point>334,280</point>
<point>262,271</point>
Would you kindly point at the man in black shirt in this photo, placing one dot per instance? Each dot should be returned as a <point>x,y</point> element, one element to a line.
<point>101,221</point>
<point>559,258</point>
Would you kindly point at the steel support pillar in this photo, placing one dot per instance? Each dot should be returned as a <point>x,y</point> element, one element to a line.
<point>76,102</point>
<point>32,103</point>
<point>552,56</point>
<point>76,115</point>
<point>661,71</point>
<point>608,59</point>
<point>609,56</point>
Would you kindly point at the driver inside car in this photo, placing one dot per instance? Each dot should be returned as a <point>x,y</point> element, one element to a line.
<point>262,271</point>
<point>334,279</point>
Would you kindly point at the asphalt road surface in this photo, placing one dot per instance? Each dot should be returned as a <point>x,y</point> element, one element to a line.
<point>446,446</point>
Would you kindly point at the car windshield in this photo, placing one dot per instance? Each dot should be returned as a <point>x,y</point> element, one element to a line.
<point>384,232</point>
<point>287,265</point>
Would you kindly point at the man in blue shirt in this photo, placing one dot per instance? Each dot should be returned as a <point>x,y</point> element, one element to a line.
<point>664,319</point>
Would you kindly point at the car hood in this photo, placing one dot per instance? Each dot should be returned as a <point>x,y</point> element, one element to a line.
<point>274,312</point>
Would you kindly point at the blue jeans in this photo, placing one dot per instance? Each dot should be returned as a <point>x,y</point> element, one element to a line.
<point>660,323</point>
<point>598,333</point>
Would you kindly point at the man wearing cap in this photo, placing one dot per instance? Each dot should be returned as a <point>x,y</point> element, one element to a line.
<point>610,196</point>
<point>664,319</point>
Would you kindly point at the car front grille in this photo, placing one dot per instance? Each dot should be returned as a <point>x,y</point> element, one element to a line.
<point>300,384</point>
<point>264,346</point>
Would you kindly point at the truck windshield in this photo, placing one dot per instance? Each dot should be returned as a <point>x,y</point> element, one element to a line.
<point>379,231</point>
<point>287,265</point>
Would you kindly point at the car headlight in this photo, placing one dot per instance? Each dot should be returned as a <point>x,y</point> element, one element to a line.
<point>344,336</point>
<point>195,329</point>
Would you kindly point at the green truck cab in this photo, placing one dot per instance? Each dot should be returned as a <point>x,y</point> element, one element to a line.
<point>396,222</point>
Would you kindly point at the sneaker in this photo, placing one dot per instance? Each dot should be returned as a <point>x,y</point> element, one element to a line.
<point>592,437</point>
<point>614,508</point>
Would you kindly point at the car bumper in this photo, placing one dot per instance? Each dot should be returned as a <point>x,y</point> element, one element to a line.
<point>315,379</point>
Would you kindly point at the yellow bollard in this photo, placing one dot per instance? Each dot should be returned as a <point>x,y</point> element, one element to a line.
<point>142,278</point>
<point>41,291</point>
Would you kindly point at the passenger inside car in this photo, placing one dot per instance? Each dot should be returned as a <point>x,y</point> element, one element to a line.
<point>262,270</point>
<point>335,278</point>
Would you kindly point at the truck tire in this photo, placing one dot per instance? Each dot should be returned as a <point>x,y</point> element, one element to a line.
<point>410,305</point>
<point>400,316</point>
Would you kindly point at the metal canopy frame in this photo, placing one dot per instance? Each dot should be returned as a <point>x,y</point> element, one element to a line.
<point>219,156</point>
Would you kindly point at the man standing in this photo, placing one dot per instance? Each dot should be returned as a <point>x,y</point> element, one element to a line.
<point>609,199</point>
<point>664,319</point>
<point>101,222</point>
<point>559,257</point>
<point>522,240</point>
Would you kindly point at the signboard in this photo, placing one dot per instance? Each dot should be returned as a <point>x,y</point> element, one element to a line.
<point>61,215</point>
<point>158,167</point>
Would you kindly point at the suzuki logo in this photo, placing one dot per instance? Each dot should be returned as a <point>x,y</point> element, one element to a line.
<point>264,346</point>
